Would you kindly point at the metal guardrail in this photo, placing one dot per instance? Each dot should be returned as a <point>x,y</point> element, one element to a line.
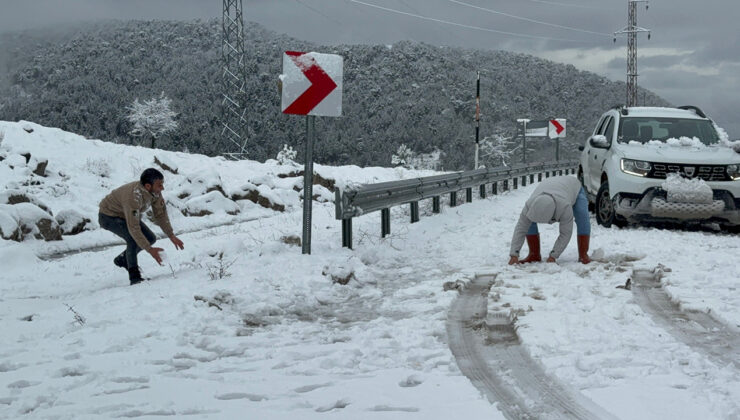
<point>363,199</point>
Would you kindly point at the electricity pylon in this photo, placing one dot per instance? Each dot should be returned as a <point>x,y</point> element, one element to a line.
<point>632,30</point>
<point>233,78</point>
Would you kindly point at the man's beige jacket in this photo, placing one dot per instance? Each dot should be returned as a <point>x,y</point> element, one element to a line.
<point>129,202</point>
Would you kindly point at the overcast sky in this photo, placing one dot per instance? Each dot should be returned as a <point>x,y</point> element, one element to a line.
<point>693,56</point>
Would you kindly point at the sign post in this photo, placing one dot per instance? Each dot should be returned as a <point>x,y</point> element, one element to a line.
<point>523,122</point>
<point>556,130</point>
<point>477,121</point>
<point>311,85</point>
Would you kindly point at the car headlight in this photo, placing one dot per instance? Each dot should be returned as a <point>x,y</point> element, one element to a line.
<point>636,167</point>
<point>733,171</point>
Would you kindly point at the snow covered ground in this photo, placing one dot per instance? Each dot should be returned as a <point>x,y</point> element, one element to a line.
<point>278,336</point>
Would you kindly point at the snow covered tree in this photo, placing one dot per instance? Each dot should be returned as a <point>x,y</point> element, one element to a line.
<point>152,118</point>
<point>287,155</point>
<point>496,150</point>
<point>403,156</point>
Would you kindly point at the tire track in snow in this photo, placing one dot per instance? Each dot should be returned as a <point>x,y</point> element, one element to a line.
<point>490,354</point>
<point>698,330</point>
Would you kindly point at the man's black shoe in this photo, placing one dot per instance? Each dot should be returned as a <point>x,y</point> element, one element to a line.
<point>134,275</point>
<point>120,260</point>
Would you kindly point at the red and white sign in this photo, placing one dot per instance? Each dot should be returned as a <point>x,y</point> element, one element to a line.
<point>556,128</point>
<point>312,84</point>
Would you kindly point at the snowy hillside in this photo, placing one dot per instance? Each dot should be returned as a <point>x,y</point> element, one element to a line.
<point>240,324</point>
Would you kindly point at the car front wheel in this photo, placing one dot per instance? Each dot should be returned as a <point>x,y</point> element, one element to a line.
<point>605,212</point>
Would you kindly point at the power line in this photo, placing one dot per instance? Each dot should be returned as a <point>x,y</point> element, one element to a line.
<point>579,6</point>
<point>528,19</point>
<point>477,28</point>
<point>318,12</point>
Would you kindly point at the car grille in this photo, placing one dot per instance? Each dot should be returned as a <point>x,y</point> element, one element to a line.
<point>705,172</point>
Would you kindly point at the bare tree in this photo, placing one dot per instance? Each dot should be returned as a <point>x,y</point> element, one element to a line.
<point>152,118</point>
<point>496,150</point>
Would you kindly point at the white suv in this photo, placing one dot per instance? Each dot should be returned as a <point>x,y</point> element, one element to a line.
<point>627,163</point>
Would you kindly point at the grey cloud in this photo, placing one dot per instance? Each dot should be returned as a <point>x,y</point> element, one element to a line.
<point>708,29</point>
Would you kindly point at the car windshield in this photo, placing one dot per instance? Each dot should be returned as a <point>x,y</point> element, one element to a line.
<point>645,129</point>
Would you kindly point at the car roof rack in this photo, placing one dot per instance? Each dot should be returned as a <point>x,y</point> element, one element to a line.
<point>696,110</point>
<point>621,108</point>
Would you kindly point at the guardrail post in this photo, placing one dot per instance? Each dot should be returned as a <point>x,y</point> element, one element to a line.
<point>469,195</point>
<point>435,204</point>
<point>539,177</point>
<point>494,188</point>
<point>347,233</point>
<point>547,174</point>
<point>513,181</point>
<point>506,185</point>
<point>524,180</point>
<point>414,211</point>
<point>531,178</point>
<point>482,191</point>
<point>385,222</point>
<point>453,199</point>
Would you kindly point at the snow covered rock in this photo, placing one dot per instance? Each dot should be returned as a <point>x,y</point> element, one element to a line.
<point>201,183</point>
<point>327,183</point>
<point>212,202</point>
<point>16,196</point>
<point>29,219</point>
<point>72,222</point>
<point>39,166</point>
<point>166,164</point>
<point>262,195</point>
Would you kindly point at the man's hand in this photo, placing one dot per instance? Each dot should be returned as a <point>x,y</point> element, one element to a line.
<point>154,252</point>
<point>513,260</point>
<point>550,259</point>
<point>177,242</point>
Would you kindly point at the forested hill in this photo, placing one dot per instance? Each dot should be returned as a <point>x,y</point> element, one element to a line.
<point>83,79</point>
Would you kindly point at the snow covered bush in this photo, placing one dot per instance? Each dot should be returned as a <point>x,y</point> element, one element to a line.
<point>98,167</point>
<point>496,150</point>
<point>287,156</point>
<point>402,157</point>
<point>430,161</point>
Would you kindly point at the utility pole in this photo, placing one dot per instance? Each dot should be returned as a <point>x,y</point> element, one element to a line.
<point>233,79</point>
<point>632,30</point>
<point>477,120</point>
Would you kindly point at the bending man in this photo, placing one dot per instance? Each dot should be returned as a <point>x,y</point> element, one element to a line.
<point>121,211</point>
<point>559,199</point>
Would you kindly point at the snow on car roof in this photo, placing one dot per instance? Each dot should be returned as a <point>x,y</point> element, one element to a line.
<point>648,111</point>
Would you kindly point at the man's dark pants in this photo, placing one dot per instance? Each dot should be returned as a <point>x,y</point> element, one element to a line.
<point>118,226</point>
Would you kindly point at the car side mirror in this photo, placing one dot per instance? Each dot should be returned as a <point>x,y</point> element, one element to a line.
<point>599,140</point>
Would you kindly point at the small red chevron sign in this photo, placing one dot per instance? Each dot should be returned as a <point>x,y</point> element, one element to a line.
<point>312,84</point>
<point>556,128</point>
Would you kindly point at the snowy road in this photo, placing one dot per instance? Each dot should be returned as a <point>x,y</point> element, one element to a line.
<point>720,342</point>
<point>490,354</point>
